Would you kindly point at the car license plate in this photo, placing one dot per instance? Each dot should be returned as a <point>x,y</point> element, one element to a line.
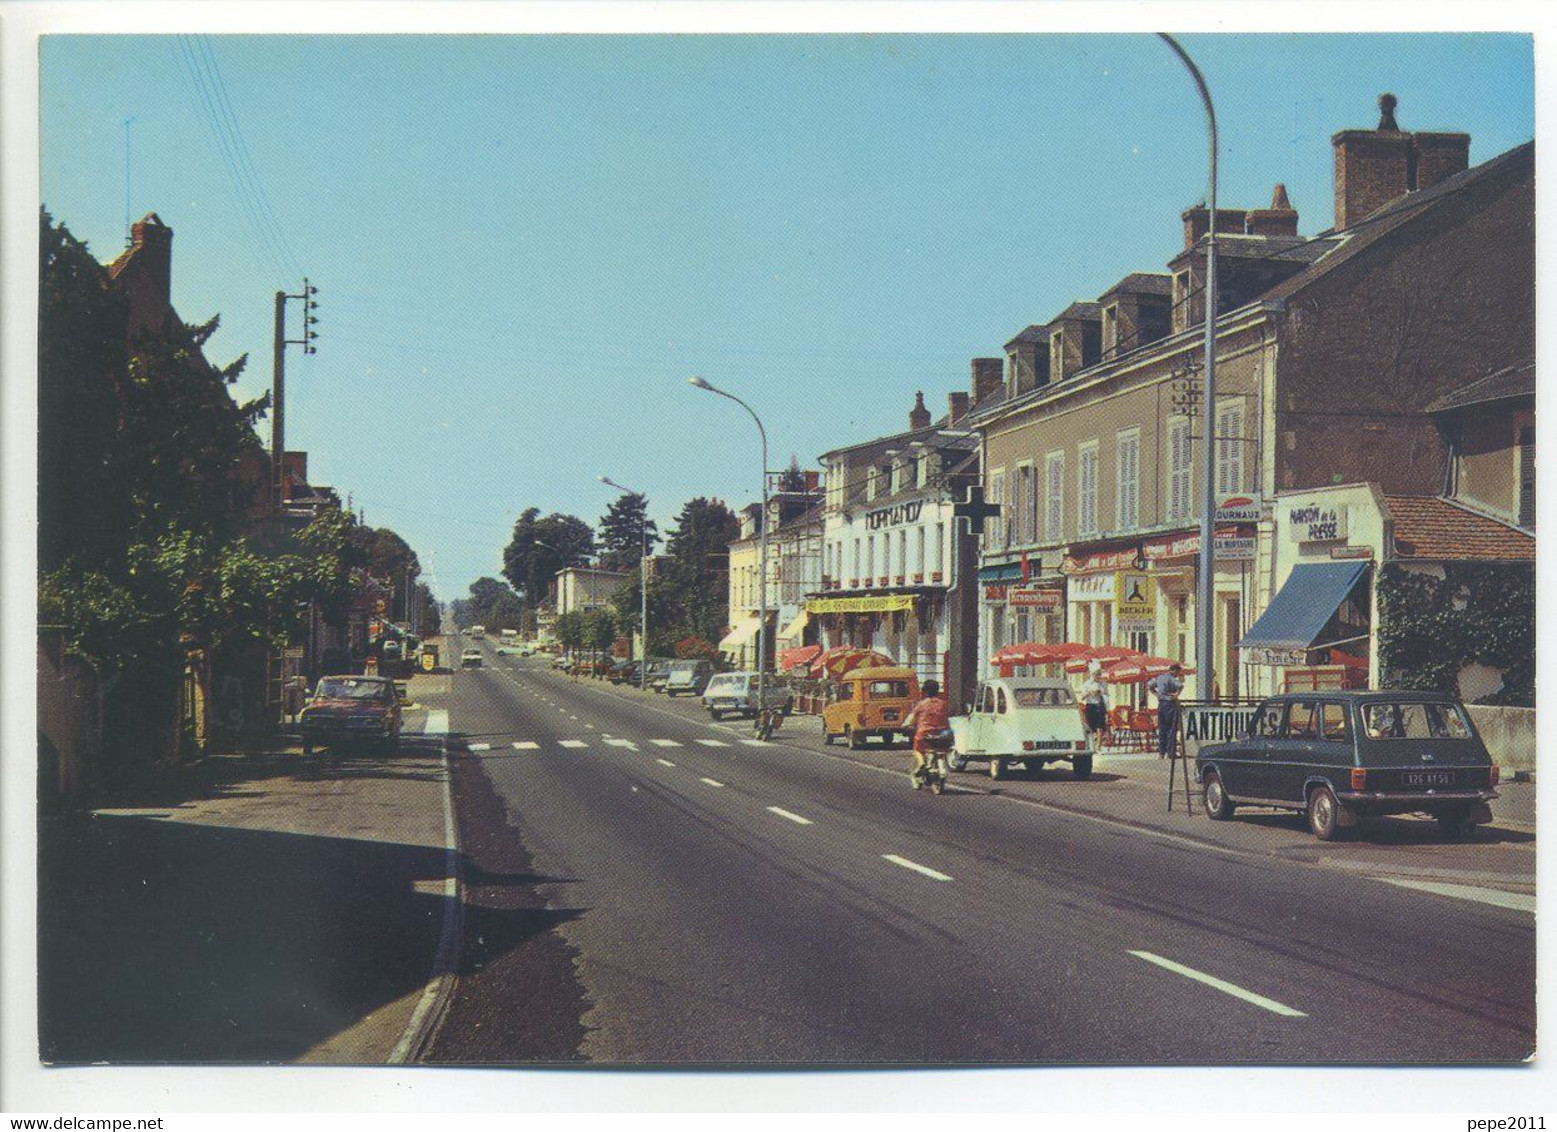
<point>1051,745</point>
<point>889,715</point>
<point>1430,778</point>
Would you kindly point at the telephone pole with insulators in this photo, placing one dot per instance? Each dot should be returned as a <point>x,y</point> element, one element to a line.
<point>278,389</point>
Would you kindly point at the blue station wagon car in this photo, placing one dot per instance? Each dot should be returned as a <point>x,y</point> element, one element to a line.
<point>1341,756</point>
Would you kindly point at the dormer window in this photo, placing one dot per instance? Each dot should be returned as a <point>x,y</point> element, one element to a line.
<point>922,470</point>
<point>1111,330</point>
<point>1181,319</point>
<point>1057,355</point>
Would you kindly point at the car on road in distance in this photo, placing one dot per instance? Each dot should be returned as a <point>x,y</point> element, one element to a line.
<point>349,711</point>
<point>871,701</point>
<point>470,658</point>
<point>1030,720</point>
<point>735,693</point>
<point>390,649</point>
<point>508,634</point>
<point>1340,757</point>
<point>478,631</point>
<point>688,677</point>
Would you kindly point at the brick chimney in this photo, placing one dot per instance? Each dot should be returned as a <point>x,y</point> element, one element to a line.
<point>152,243</point>
<point>1280,219</point>
<point>1374,167</point>
<point>988,376</point>
<point>956,407</point>
<point>1197,221</point>
<point>918,416</point>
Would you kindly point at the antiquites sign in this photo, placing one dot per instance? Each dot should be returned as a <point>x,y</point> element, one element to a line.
<point>894,516</point>
<point>1215,723</point>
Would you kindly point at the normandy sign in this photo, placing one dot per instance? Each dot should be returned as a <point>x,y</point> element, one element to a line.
<point>894,516</point>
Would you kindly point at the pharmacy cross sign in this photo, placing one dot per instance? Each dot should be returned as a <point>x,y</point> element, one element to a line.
<point>975,510</point>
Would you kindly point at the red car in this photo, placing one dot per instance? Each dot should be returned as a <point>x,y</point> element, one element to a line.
<point>352,711</point>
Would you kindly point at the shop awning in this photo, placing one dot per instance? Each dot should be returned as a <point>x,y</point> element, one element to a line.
<point>1004,572</point>
<point>873,603</point>
<point>1303,606</point>
<point>794,658</point>
<point>740,635</point>
<point>793,631</point>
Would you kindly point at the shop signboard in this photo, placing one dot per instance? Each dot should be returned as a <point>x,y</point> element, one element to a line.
<point>1045,598</point>
<point>1235,548</point>
<point>995,593</point>
<point>1135,600</point>
<point>1275,658</point>
<point>1317,522</point>
<point>1240,509</point>
<point>894,516</point>
<point>1092,587</point>
<point>1106,561</point>
<point>1206,723</point>
<point>885,603</point>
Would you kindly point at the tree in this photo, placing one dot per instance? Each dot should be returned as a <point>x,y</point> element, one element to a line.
<point>792,478</point>
<point>491,604</point>
<point>629,608</point>
<point>542,546</point>
<point>600,630</point>
<point>570,630</point>
<point>698,571</point>
<point>622,531</point>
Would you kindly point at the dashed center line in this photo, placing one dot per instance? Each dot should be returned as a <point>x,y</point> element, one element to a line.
<point>628,743</point>
<point>665,742</point>
<point>526,745</point>
<point>479,746</point>
<point>915,866</point>
<point>711,781</point>
<point>1221,984</point>
<point>796,818</point>
<point>573,743</point>
<point>712,742</point>
<point>664,762</point>
<point>754,742</point>
<point>1496,897</point>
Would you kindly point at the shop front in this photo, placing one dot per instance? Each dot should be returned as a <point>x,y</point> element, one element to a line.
<point>908,626</point>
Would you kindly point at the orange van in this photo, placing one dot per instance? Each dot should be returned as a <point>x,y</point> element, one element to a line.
<point>871,701</point>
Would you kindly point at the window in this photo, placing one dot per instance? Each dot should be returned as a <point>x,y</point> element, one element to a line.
<point>919,551</point>
<point>1179,470</point>
<point>902,551</point>
<point>940,548</point>
<point>1054,506</point>
<point>870,558</point>
<point>1026,517</point>
<point>1300,721</point>
<point>1180,299</point>
<point>1043,697</point>
<point>1128,494</point>
<point>1414,721</point>
<point>1057,355</point>
<point>1086,490</point>
<point>886,553</point>
<point>1111,329</point>
<point>922,470</point>
<point>1229,450</point>
<point>1332,722</point>
<point>997,523</point>
<point>889,689</point>
<point>1268,723</point>
<point>856,572</point>
<point>1000,701</point>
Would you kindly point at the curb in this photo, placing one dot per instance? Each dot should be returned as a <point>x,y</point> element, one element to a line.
<point>433,1006</point>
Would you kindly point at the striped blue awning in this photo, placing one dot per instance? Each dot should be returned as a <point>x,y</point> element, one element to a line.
<point>1303,606</point>
<point>1004,572</point>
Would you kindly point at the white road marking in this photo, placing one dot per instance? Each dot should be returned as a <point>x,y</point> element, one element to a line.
<point>713,743</point>
<point>437,722</point>
<point>665,742</point>
<point>754,742</point>
<point>915,866</point>
<point>1221,984</point>
<point>796,818</point>
<point>664,762</point>
<point>591,726</point>
<point>1517,901</point>
<point>573,743</point>
<point>479,746</point>
<point>711,781</point>
<point>526,745</point>
<point>572,717</point>
<point>628,743</point>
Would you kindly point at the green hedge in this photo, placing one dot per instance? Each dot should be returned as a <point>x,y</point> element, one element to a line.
<point>1431,628</point>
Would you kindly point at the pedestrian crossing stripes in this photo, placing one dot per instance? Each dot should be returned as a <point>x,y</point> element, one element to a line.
<point>573,744</point>
<point>665,742</point>
<point>622,743</point>
<point>754,742</point>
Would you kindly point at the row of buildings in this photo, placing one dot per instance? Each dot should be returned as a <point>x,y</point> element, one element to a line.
<point>1374,457</point>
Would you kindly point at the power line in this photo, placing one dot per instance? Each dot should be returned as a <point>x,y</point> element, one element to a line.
<point>246,163</point>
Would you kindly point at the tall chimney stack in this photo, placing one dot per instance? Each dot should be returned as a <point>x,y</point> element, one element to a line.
<point>988,376</point>
<point>152,241</point>
<point>918,416</point>
<point>1374,167</point>
<point>956,407</point>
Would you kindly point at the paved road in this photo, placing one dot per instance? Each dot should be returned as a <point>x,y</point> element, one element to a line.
<point>659,890</point>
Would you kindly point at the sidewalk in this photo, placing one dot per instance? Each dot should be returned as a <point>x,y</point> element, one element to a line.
<point>1131,789</point>
<point>257,907</point>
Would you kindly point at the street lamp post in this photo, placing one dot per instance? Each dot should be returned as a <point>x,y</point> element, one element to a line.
<point>1205,621</point>
<point>643,584</point>
<point>762,552</point>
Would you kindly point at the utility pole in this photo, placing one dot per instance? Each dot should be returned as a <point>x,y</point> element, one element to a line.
<point>278,381</point>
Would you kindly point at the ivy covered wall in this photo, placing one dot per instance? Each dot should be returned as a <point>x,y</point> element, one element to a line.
<point>1431,628</point>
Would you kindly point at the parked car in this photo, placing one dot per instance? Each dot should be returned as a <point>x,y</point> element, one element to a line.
<point>1030,720</point>
<point>659,672</point>
<point>351,711</point>
<point>470,658</point>
<point>623,672</point>
<point>735,693</point>
<point>1343,756</point>
<point>478,631</point>
<point>561,662</point>
<point>871,701</point>
<point>390,649</point>
<point>688,677</point>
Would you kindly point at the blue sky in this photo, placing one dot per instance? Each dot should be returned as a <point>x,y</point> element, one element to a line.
<point>525,244</point>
